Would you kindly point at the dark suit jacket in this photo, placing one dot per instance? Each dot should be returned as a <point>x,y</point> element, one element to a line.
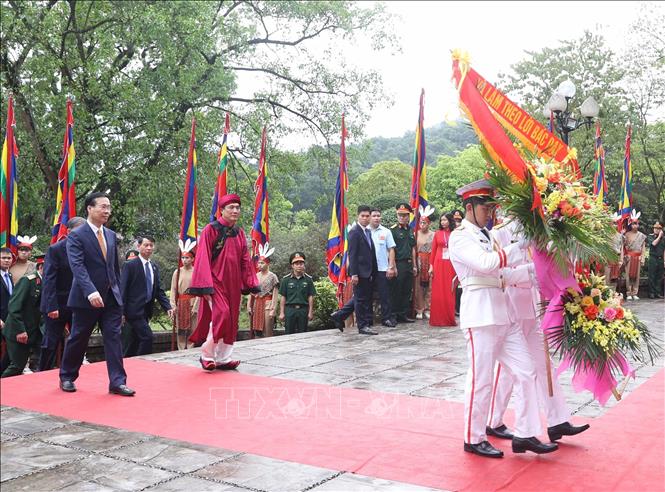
<point>134,292</point>
<point>4,302</point>
<point>91,272</point>
<point>57,278</point>
<point>362,255</point>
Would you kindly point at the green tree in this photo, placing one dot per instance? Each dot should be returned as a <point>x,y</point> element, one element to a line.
<point>449,174</point>
<point>139,71</point>
<point>383,186</point>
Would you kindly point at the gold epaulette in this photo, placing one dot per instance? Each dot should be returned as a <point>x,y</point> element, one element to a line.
<point>31,276</point>
<point>459,228</point>
<point>288,275</point>
<point>307,275</point>
<point>393,226</point>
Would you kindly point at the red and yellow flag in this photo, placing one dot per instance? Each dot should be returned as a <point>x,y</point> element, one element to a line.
<point>419,174</point>
<point>190,212</point>
<point>65,204</point>
<point>261,221</point>
<point>8,186</point>
<point>222,164</point>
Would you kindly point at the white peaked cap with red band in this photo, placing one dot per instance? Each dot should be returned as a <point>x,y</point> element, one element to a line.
<point>481,188</point>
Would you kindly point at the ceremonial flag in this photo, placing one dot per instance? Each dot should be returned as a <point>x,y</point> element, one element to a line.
<point>337,247</point>
<point>626,194</point>
<point>222,163</point>
<point>419,173</point>
<point>9,201</point>
<point>189,224</point>
<point>260,223</point>
<point>65,203</point>
<point>599,183</point>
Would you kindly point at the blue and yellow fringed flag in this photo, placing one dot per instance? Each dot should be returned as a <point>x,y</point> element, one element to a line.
<point>189,224</point>
<point>65,204</point>
<point>261,221</point>
<point>626,194</point>
<point>599,183</point>
<point>222,164</point>
<point>337,247</point>
<point>9,200</point>
<point>419,174</point>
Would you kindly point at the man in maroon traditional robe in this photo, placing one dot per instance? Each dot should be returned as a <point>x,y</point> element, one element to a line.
<point>223,271</point>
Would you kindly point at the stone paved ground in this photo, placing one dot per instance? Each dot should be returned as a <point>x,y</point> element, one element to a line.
<point>41,452</point>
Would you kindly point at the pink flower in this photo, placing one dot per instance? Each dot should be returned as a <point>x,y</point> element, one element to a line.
<point>610,314</point>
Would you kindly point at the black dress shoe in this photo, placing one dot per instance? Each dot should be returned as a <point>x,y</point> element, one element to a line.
<point>339,322</point>
<point>483,449</point>
<point>67,386</point>
<point>389,323</point>
<point>405,319</point>
<point>501,432</point>
<point>122,390</point>
<point>524,444</point>
<point>366,331</point>
<point>566,429</point>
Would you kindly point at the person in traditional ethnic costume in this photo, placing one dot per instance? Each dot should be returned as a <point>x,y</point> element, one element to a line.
<point>490,335</point>
<point>23,266</point>
<point>261,307</point>
<point>422,288</point>
<point>186,305</point>
<point>613,270</point>
<point>442,273</point>
<point>634,243</point>
<point>522,298</point>
<point>223,270</point>
<point>656,243</point>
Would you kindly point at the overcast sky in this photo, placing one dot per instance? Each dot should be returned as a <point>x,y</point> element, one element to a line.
<point>496,35</point>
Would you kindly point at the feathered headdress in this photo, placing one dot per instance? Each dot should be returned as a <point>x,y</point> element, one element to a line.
<point>425,212</point>
<point>187,246</point>
<point>265,251</point>
<point>635,216</point>
<point>616,217</point>
<point>25,241</point>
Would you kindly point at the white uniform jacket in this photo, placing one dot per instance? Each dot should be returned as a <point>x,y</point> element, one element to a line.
<point>520,285</point>
<point>478,262</point>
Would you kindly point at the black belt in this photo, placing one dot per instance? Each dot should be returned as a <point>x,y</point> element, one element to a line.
<point>296,306</point>
<point>408,260</point>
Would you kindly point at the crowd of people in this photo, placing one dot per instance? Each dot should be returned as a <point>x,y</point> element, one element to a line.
<point>79,284</point>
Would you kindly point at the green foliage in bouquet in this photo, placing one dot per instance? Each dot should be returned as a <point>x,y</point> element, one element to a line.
<point>570,224</point>
<point>597,327</point>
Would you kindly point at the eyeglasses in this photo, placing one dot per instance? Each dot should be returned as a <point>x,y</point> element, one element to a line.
<point>104,207</point>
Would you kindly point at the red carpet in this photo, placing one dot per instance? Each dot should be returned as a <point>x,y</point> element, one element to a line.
<point>395,437</point>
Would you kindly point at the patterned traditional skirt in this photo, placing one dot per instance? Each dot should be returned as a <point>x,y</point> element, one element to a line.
<point>633,259</point>
<point>423,263</point>
<point>184,312</point>
<point>614,270</point>
<point>259,312</point>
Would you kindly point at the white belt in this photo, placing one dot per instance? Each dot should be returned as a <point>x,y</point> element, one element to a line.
<point>482,283</point>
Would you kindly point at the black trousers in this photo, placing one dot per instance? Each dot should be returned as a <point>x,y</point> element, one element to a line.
<point>296,319</point>
<point>19,353</point>
<point>137,337</point>
<point>382,286</point>
<point>401,289</point>
<point>83,322</point>
<point>54,330</point>
<point>363,295</point>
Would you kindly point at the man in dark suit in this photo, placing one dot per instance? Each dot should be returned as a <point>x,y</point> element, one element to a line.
<point>6,290</point>
<point>362,269</point>
<point>56,284</point>
<point>95,296</point>
<point>140,286</point>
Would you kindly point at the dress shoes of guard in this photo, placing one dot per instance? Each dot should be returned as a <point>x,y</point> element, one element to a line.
<point>389,323</point>
<point>501,432</point>
<point>337,319</point>
<point>566,429</point>
<point>122,390</point>
<point>366,331</point>
<point>67,386</point>
<point>405,319</point>
<point>524,444</point>
<point>228,366</point>
<point>484,449</point>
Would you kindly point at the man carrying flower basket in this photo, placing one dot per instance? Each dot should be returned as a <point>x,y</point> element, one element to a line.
<point>489,333</point>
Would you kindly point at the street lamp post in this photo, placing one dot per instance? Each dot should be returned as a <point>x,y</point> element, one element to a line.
<point>565,121</point>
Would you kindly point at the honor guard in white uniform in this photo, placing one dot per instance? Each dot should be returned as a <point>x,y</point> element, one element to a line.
<point>489,333</point>
<point>523,296</point>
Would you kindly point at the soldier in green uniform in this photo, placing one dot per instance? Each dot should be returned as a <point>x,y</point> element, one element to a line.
<point>401,286</point>
<point>297,296</point>
<point>22,327</point>
<point>656,243</point>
